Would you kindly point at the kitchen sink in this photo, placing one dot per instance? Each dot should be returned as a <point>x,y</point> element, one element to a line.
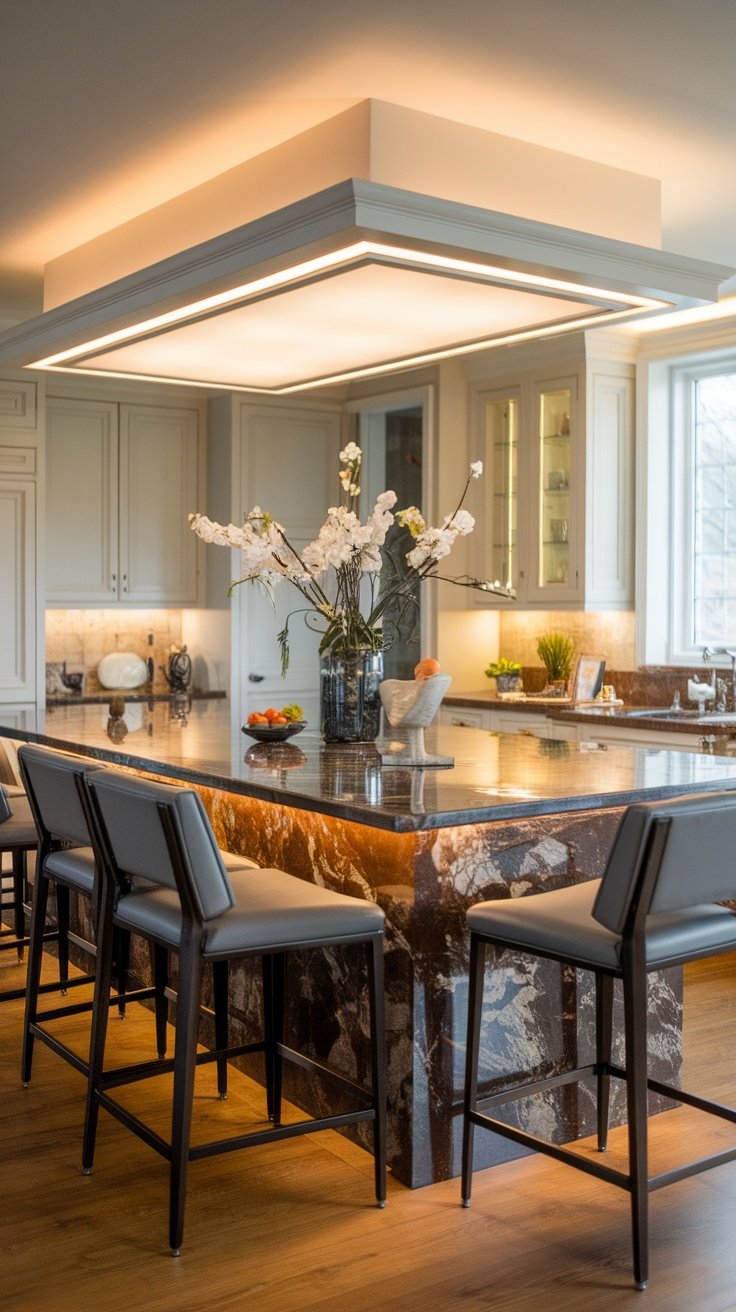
<point>656,713</point>
<point>666,713</point>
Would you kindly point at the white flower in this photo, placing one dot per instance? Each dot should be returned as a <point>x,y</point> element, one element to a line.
<point>337,573</point>
<point>462,522</point>
<point>434,544</point>
<point>350,453</point>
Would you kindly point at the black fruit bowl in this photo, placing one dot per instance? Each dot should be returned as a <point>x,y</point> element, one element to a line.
<point>273,733</point>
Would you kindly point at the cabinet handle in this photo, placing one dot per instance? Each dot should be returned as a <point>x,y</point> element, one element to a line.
<point>125,582</point>
<point>114,581</point>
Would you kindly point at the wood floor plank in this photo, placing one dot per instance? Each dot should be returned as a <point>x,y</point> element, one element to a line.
<point>290,1227</point>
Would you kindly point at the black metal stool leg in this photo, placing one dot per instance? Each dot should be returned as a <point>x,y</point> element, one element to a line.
<point>185,1054</point>
<point>604,1039</point>
<point>160,982</point>
<point>279,994</point>
<point>635,1021</point>
<point>100,1017</point>
<point>121,958</point>
<point>19,882</point>
<point>475,1009</point>
<point>33,977</point>
<point>268,1035</point>
<point>374,953</point>
<point>220,976</point>
<point>62,921</point>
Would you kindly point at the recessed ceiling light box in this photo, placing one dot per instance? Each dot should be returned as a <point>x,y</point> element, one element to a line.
<point>361,276</point>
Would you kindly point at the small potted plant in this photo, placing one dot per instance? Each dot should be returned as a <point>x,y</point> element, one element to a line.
<point>506,673</point>
<point>555,651</point>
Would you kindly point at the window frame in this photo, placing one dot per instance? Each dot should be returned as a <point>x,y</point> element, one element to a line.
<point>666,498</point>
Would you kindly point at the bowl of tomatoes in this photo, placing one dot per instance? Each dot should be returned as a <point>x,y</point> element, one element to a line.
<point>272,726</point>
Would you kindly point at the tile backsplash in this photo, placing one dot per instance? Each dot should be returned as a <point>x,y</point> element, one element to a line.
<point>606,634</point>
<point>82,637</point>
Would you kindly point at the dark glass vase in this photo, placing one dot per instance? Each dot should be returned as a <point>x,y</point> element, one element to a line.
<point>350,704</point>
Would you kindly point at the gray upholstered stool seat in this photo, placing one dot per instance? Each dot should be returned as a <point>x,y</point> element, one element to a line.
<point>152,832</point>
<point>658,904</point>
<point>562,922</point>
<point>270,906</point>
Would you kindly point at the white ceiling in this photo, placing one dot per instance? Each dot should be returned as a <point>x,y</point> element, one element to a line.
<point>111,107</point>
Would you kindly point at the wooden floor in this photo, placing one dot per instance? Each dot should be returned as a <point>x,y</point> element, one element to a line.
<point>291,1226</point>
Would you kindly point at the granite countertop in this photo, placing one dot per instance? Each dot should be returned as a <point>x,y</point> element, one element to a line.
<point>490,701</point>
<point>686,721</point>
<point>558,708</point>
<point>495,776</point>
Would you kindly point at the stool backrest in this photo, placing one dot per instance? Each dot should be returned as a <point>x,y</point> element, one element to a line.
<point>676,854</point>
<point>51,780</point>
<point>162,834</point>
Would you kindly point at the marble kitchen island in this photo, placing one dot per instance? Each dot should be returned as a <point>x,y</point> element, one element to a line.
<point>515,814</point>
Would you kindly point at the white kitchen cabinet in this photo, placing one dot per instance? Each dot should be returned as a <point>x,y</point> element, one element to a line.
<point>495,721</point>
<point>557,446</point>
<point>623,736</point>
<point>21,640</point>
<point>121,481</point>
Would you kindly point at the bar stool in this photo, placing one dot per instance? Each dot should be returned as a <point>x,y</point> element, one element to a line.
<point>60,805</point>
<point>159,834</point>
<point>655,907</point>
<point>18,837</point>
<point>66,863</point>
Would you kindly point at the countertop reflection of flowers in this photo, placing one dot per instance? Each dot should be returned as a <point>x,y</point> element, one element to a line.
<point>348,576</point>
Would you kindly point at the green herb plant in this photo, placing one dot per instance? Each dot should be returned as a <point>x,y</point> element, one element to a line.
<point>503,666</point>
<point>555,651</point>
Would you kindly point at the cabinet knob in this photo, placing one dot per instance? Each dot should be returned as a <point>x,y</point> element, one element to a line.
<point>256,678</point>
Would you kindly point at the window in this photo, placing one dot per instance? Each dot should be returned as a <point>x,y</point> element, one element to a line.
<point>714,509</point>
<point>686,599</point>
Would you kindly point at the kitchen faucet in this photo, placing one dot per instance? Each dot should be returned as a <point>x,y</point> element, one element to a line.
<point>710,652</point>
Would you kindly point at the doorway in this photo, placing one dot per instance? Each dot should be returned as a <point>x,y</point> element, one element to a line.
<point>392,435</point>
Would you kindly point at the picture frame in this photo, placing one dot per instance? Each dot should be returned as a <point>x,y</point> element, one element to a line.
<point>587,679</point>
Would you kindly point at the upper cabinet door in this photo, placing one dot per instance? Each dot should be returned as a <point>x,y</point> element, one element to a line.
<point>558,467</point>
<point>158,490</point>
<point>81,502</point>
<point>17,589</point>
<point>499,422</point>
<point>558,450</point>
<point>121,481</point>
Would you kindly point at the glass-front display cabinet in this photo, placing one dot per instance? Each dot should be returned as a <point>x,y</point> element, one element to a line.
<point>558,446</point>
<point>555,482</point>
<point>500,419</point>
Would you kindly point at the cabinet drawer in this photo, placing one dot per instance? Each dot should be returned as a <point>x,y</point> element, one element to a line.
<point>17,459</point>
<point>465,717</point>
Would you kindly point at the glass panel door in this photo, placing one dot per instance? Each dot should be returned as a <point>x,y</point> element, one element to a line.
<point>501,419</point>
<point>555,466</point>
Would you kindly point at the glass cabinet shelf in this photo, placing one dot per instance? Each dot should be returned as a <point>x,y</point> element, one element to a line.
<point>555,476</point>
<point>500,420</point>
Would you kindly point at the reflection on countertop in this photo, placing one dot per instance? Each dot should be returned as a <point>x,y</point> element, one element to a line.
<point>495,776</point>
<point>127,694</point>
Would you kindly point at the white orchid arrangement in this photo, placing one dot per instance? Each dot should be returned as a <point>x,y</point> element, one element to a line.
<point>332,572</point>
